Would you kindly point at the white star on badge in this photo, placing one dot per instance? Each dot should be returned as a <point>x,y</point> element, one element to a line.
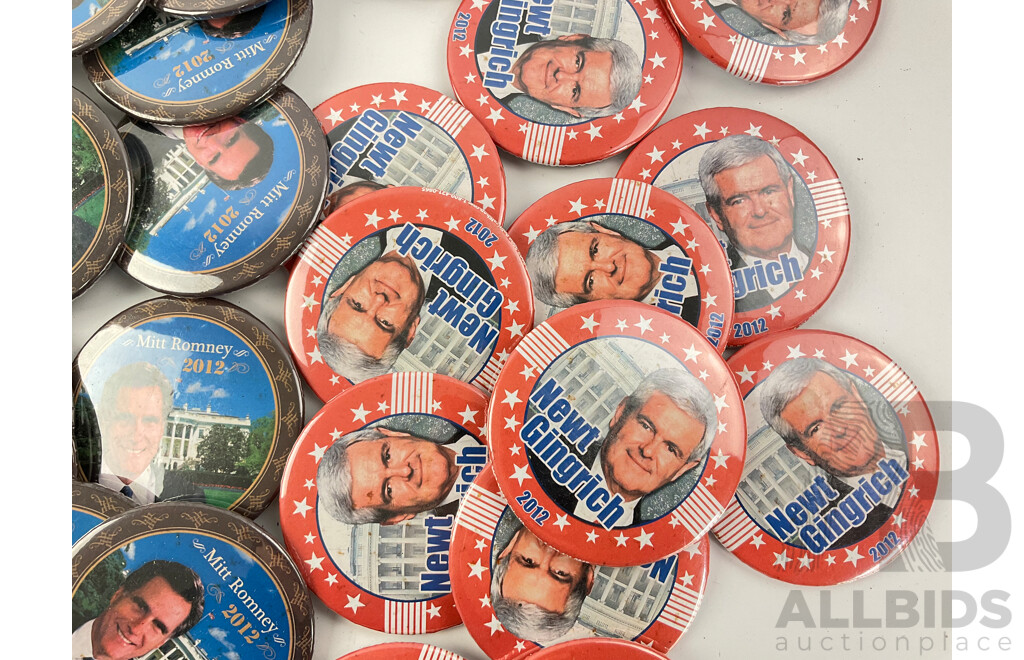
<point>592,537</point>
<point>701,130</point>
<point>849,358</point>
<point>919,464</point>
<point>692,244</point>
<point>852,556</point>
<point>561,522</point>
<point>692,353</point>
<point>703,375</point>
<point>621,539</point>
<point>686,579</point>
<point>799,157</point>
<point>468,415</point>
<point>310,538</point>
<point>756,541</point>
<point>811,176</point>
<point>309,485</point>
<point>721,459</point>
<point>331,579</point>
<point>512,306</point>
<point>746,376</point>
<point>514,449</point>
<point>520,474</point>
<point>644,538</point>
<point>799,294</point>
<point>645,174</point>
<point>655,155</point>
<point>465,51</point>
<point>399,96</point>
<point>679,227</point>
<point>577,206</point>
<point>913,491</point>
<point>840,40</point>
<point>644,325</point>
<point>724,130</point>
<point>487,202</point>
<point>708,22</point>
<point>335,434</point>
<point>516,329</point>
<point>767,365</point>
<point>551,219</point>
<point>621,324</point>
<point>805,562</point>
<point>720,403</point>
<point>314,562</point>
<point>823,49</point>
<point>310,332</point>
<point>301,507</point>
<point>637,104</point>
<point>480,4</point>
<point>424,106</point>
<point>710,300</point>
<point>572,135</point>
<point>497,262</point>
<point>781,559</point>
<point>354,603</point>
<point>798,57</point>
<point>594,131</point>
<point>869,372</point>
<point>721,427</point>
<point>898,520</point>
<point>452,224</point>
<point>354,107</point>
<point>588,323</point>
<point>753,131</point>
<point>918,441</point>
<point>378,100</point>
<point>435,406</point>
<point>318,452</point>
<point>815,273</point>
<point>664,338</point>
<point>334,116</point>
<point>775,311</point>
<point>826,254</point>
<point>697,4</point>
<point>422,215</point>
<point>657,61</point>
<point>483,182</point>
<point>479,152</point>
<point>710,481</point>
<point>476,569</point>
<point>495,115</point>
<point>830,559</point>
<point>433,611</point>
<point>820,354</point>
<point>527,372</point>
<point>494,624</point>
<point>394,215</point>
<point>372,219</point>
<point>480,544</point>
<point>512,398</point>
<point>652,15</point>
<point>520,645</point>
<point>795,352</point>
<point>360,414</point>
<point>618,116</point>
<point>309,301</point>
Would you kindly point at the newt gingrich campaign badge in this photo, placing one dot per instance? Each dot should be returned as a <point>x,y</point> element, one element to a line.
<point>616,433</point>
<point>842,459</point>
<point>401,651</point>
<point>771,197</point>
<point>619,239</point>
<point>517,594</point>
<point>406,279</point>
<point>560,83</point>
<point>370,495</point>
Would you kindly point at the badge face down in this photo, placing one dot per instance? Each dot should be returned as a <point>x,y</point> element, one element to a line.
<point>774,42</point>
<point>771,197</point>
<point>515,593</point>
<point>406,279</point>
<point>842,459</point>
<point>558,83</point>
<point>370,495</point>
<point>619,239</point>
<point>616,433</point>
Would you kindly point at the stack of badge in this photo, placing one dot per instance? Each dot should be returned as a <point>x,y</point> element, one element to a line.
<point>212,584</point>
<point>101,192</point>
<point>516,593</point>
<point>781,43</point>
<point>842,459</point>
<point>556,84</point>
<point>401,651</point>
<point>406,279</point>
<point>179,399</point>
<point>396,134</point>
<point>772,198</point>
<point>617,239</point>
<point>91,505</point>
<point>370,495</point>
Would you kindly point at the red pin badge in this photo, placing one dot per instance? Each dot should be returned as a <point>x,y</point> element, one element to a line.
<point>616,433</point>
<point>842,459</point>
<point>370,495</point>
<point>564,87</point>
<point>517,594</point>
<point>607,239</point>
<point>401,651</point>
<point>597,648</point>
<point>773,199</point>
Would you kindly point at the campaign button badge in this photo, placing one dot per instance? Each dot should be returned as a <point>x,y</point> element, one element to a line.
<point>516,594</point>
<point>95,21</point>
<point>616,433</point>
<point>370,494</point>
<point>759,42</point>
<point>406,279</point>
<point>206,8</point>
<point>781,211</point>
<point>842,459</point>
<point>397,134</point>
<point>227,587</point>
<point>582,649</point>
<point>179,70</point>
<point>401,651</point>
<point>219,206</point>
<point>183,399</point>
<point>101,192</point>
<point>619,239</point>
<point>560,84</point>
<point>92,504</point>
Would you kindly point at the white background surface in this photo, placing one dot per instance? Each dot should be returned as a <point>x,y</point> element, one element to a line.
<point>884,122</point>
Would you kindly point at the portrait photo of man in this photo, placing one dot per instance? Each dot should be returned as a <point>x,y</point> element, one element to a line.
<point>235,153</point>
<point>536,592</point>
<point>232,27</point>
<point>786,22</point>
<point>349,192</point>
<point>749,189</point>
<point>156,602</point>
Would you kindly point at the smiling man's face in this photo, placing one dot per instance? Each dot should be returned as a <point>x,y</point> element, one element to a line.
<point>138,621</point>
<point>756,208</point>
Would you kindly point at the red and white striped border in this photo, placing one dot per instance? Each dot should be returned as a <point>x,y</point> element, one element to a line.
<point>829,199</point>
<point>679,609</point>
<point>480,511</point>
<point>405,618</point>
<point>433,653</point>
<point>412,392</point>
<point>735,527</point>
<point>701,508</point>
<point>542,346</point>
<point>894,384</point>
<point>629,198</point>
<point>323,250</point>
<point>449,115</point>
<point>543,144</point>
<point>749,59</point>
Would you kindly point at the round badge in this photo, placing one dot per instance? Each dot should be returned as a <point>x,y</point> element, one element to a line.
<point>397,134</point>
<point>559,83</point>
<point>842,459</point>
<point>586,649</point>
<point>617,433</point>
<point>95,21</point>
<point>191,400</point>
<point>101,192</point>
<point>516,593</point>
<point>219,206</point>
<point>406,279</point>
<point>771,197</point>
<point>223,587</point>
<point>177,70</point>
<point>206,8</point>
<point>776,43</point>
<point>617,239</point>
<point>401,651</point>
<point>370,495</point>
<point>91,505</point>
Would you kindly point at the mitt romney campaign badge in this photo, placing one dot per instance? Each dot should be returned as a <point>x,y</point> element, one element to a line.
<point>617,239</point>
<point>597,648</point>
<point>771,197</point>
<point>781,42</point>
<point>178,399</point>
<point>517,594</point>
<point>370,495</point>
<point>219,206</point>
<point>101,192</point>
<point>396,134</point>
<point>842,459</point>
<point>406,279</point>
<point>401,651</point>
<point>558,83</point>
<point>181,70</point>
<point>92,504</point>
<point>616,433</point>
<point>206,8</point>
<point>95,21</point>
<point>176,580</point>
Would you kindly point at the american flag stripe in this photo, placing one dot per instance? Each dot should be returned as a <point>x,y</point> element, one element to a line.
<point>680,607</point>
<point>480,511</point>
<point>411,391</point>
<point>542,346</point>
<point>543,144</point>
<point>433,653</point>
<point>449,115</point>
<point>749,59</point>
<point>489,376</point>
<point>323,250</point>
<point>829,199</point>
<point>894,384</point>
<point>405,618</point>
<point>628,197</point>
<point>699,510</point>
<point>735,527</point>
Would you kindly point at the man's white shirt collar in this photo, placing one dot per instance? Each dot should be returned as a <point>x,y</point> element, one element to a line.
<point>81,641</point>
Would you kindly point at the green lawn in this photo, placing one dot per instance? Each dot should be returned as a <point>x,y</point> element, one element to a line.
<point>222,497</point>
<point>91,210</point>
